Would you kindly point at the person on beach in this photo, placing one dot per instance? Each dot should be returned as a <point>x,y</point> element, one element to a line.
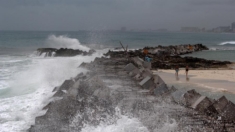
<point>176,70</point>
<point>186,71</point>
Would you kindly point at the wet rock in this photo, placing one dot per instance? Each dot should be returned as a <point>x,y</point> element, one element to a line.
<point>161,89</point>
<point>167,57</point>
<point>147,82</point>
<point>178,96</point>
<point>228,112</point>
<point>66,85</point>
<point>220,104</point>
<point>130,67</point>
<point>63,52</point>
<point>191,97</point>
<point>57,117</point>
<point>202,104</point>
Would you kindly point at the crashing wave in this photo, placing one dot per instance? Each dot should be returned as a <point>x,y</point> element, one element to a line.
<point>227,43</point>
<point>65,42</point>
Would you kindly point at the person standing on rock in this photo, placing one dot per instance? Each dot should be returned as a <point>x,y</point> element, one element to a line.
<point>145,51</point>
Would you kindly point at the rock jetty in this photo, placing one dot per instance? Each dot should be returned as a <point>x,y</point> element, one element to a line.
<point>48,52</point>
<point>167,57</point>
<point>117,87</point>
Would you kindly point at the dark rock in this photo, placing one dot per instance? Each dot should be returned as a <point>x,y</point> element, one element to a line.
<point>190,97</point>
<point>220,104</point>
<point>161,89</point>
<point>63,52</point>
<point>167,57</point>
<point>57,117</point>
<point>66,85</point>
<point>228,112</point>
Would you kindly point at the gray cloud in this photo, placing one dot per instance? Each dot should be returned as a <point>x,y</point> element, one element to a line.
<point>113,14</point>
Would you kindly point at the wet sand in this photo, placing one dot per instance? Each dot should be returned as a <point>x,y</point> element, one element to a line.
<point>213,83</point>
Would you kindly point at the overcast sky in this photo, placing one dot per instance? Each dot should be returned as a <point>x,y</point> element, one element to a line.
<point>114,14</point>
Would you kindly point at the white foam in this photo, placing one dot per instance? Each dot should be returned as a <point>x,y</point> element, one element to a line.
<point>227,42</point>
<point>123,124</point>
<point>170,125</point>
<point>65,42</point>
<point>30,88</point>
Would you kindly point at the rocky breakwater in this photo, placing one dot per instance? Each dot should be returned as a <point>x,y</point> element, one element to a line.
<point>167,57</point>
<point>118,87</point>
<point>48,52</point>
<point>209,114</point>
<point>176,50</point>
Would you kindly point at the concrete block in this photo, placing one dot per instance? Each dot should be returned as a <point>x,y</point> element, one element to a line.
<point>172,89</point>
<point>66,85</point>
<point>157,79</point>
<point>204,105</point>
<point>147,65</point>
<point>190,97</point>
<point>98,60</point>
<point>228,112</point>
<point>161,89</point>
<point>138,61</point>
<point>130,67</point>
<point>83,64</point>
<point>136,76</point>
<point>59,93</point>
<point>146,73</point>
<point>194,105</point>
<point>147,82</point>
<point>73,91</point>
<point>178,96</point>
<point>220,104</point>
<point>134,72</point>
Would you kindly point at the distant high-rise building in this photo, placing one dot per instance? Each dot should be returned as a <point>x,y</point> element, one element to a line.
<point>233,26</point>
<point>222,29</point>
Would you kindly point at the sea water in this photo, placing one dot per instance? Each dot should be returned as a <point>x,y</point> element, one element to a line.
<point>27,80</point>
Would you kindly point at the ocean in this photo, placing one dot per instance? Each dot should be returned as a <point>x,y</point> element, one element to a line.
<point>27,80</point>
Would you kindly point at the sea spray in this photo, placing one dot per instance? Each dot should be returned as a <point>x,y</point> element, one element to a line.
<point>28,87</point>
<point>65,42</point>
<point>122,123</point>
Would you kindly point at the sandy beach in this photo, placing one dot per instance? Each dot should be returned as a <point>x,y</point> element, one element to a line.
<point>214,80</point>
<point>227,75</point>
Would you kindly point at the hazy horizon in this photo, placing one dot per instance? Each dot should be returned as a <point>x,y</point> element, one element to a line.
<point>75,15</point>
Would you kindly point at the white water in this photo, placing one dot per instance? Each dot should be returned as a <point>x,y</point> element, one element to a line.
<point>227,42</point>
<point>124,124</point>
<point>26,83</point>
<point>65,42</point>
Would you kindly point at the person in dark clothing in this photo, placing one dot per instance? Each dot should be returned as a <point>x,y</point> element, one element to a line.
<point>186,71</point>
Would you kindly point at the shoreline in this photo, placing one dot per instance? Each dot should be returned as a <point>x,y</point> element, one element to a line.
<point>221,80</point>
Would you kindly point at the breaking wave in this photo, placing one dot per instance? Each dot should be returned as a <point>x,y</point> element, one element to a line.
<point>227,43</point>
<point>26,85</point>
<point>65,42</point>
